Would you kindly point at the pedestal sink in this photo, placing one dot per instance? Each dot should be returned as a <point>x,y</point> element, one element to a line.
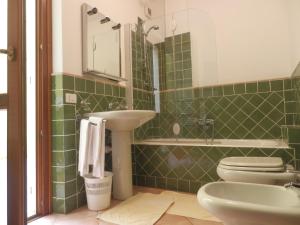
<point>121,123</point>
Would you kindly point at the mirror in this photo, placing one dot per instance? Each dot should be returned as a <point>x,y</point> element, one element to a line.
<point>101,44</point>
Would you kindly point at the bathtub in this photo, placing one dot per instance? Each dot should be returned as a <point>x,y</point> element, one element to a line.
<point>241,143</point>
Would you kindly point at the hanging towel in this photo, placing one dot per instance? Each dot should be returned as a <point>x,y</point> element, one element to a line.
<point>84,147</point>
<point>98,146</point>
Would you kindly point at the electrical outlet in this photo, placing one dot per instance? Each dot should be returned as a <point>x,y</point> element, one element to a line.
<point>71,98</point>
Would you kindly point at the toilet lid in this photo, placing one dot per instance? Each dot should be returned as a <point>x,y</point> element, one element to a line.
<point>265,162</point>
<point>253,169</point>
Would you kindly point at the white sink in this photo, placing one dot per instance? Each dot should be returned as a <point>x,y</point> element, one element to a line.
<point>121,123</point>
<point>251,204</point>
<point>124,120</point>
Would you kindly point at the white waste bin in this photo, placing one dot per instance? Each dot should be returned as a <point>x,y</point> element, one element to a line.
<point>98,191</point>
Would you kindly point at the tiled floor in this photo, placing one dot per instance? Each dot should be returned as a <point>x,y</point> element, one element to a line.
<point>83,216</point>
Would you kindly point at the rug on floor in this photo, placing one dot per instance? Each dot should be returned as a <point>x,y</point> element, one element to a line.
<point>187,205</point>
<point>141,209</point>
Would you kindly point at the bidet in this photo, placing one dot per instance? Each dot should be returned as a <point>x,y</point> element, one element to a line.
<point>251,204</point>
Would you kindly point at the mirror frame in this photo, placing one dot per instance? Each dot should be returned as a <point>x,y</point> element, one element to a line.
<point>84,9</point>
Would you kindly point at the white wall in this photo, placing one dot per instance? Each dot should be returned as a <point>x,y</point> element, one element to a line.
<point>67,28</point>
<point>247,40</point>
<point>294,9</point>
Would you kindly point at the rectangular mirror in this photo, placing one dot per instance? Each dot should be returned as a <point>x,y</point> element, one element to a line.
<point>101,44</point>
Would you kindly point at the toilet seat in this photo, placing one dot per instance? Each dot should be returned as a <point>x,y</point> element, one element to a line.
<point>262,170</point>
<point>257,169</point>
<point>267,162</point>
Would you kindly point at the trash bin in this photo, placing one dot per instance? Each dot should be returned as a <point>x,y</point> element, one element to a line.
<point>98,191</point>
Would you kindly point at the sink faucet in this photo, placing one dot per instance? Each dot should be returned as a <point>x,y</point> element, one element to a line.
<point>117,106</point>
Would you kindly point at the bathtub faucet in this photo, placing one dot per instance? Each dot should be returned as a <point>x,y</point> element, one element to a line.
<point>205,125</point>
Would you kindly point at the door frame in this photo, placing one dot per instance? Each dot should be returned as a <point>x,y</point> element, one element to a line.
<point>15,103</point>
<point>43,96</point>
<point>16,134</point>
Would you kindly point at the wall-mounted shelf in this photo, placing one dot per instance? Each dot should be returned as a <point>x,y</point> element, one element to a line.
<point>106,76</point>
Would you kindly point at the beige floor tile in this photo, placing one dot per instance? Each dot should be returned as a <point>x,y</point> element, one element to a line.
<point>83,216</point>
<point>203,222</point>
<point>137,189</point>
<point>168,219</point>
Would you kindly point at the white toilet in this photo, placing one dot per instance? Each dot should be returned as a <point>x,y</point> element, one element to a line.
<point>261,170</point>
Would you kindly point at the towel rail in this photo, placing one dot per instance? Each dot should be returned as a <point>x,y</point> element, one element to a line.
<point>79,117</point>
<point>94,124</point>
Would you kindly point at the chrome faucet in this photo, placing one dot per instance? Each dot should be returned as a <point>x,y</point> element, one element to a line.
<point>206,124</point>
<point>117,106</point>
<point>292,184</point>
<point>85,105</point>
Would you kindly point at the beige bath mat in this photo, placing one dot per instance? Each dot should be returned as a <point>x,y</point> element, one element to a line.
<point>141,209</point>
<point>187,205</point>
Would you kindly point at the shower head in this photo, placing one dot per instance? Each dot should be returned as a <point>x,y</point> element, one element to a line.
<point>154,27</point>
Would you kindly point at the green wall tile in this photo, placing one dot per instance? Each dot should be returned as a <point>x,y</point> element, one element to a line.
<point>69,142</point>
<point>194,186</point>
<point>122,92</point>
<point>161,182</point>
<point>239,88</point>
<point>251,87</point>
<point>183,185</point>
<point>90,86</point>
<point>70,188</point>
<point>57,142</point>
<point>277,85</point>
<point>80,84</point>
<point>228,89</point>
<point>287,84</point>
<point>69,112</point>
<point>71,204</point>
<point>290,95</point>
<point>57,112</point>
<point>108,90</point>
<point>172,184</point>
<point>207,92</point>
<point>69,127</point>
<point>100,88</point>
<point>70,157</point>
<point>150,182</point>
<point>58,174</point>
<point>58,159</point>
<point>116,91</point>
<point>58,190</point>
<point>70,173</point>
<point>294,135</point>
<point>57,82</point>
<point>57,97</point>
<point>58,127</point>
<point>68,82</point>
<point>263,86</point>
<point>58,205</point>
<point>81,199</point>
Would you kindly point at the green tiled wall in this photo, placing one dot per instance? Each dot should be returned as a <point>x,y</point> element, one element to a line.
<point>254,110</point>
<point>68,186</point>
<point>142,62</point>
<point>295,118</point>
<point>182,168</point>
<point>293,128</point>
<point>142,77</point>
<point>178,62</point>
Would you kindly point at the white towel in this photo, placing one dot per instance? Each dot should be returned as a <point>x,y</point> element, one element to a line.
<point>84,147</point>
<point>98,146</point>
